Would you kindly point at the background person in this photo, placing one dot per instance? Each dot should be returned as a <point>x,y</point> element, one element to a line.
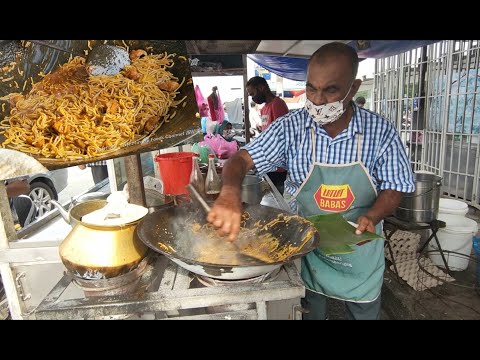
<point>275,107</point>
<point>19,206</point>
<point>255,120</point>
<point>360,101</point>
<point>99,170</point>
<point>217,113</point>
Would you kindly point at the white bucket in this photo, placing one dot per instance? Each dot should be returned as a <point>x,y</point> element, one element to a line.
<point>451,206</point>
<point>456,237</point>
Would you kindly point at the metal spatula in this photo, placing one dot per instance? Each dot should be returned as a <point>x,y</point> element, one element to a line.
<point>199,198</point>
<point>103,59</point>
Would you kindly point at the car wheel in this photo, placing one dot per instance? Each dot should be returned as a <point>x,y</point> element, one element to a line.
<point>41,194</point>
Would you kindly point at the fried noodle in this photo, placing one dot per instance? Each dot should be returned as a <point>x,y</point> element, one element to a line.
<point>70,115</point>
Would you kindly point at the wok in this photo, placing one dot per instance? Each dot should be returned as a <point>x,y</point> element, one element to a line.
<point>174,232</point>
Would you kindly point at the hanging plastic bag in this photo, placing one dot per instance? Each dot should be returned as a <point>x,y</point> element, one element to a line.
<point>202,149</point>
<point>227,148</point>
<point>222,148</point>
<point>210,127</point>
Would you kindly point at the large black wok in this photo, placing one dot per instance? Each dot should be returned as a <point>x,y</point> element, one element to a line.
<point>181,233</point>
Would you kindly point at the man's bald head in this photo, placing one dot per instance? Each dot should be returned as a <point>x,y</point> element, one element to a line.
<point>332,51</point>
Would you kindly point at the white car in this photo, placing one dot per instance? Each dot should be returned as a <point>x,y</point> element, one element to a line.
<point>43,188</point>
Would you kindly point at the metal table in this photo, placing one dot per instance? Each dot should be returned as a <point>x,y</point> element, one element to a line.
<point>392,224</point>
<point>162,293</point>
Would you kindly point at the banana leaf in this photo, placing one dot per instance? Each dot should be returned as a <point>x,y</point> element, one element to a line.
<point>337,236</point>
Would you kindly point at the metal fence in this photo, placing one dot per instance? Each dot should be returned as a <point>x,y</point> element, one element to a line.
<point>430,93</point>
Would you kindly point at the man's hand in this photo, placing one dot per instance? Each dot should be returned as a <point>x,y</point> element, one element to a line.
<point>226,213</point>
<point>364,224</point>
<point>387,201</point>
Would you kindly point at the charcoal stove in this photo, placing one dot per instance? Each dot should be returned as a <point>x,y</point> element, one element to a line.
<point>118,285</point>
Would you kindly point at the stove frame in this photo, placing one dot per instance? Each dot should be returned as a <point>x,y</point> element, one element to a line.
<point>168,291</point>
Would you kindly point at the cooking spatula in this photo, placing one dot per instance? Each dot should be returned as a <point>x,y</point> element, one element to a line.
<point>103,59</point>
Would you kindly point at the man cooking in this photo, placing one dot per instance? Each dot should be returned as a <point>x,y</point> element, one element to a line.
<point>329,144</point>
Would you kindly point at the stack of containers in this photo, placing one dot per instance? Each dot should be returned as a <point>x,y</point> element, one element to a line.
<point>456,237</point>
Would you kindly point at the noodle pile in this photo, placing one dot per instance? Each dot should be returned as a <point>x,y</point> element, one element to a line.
<point>72,116</point>
<point>259,242</point>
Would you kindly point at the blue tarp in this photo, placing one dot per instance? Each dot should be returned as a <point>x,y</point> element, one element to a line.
<point>287,67</point>
<point>296,68</point>
<point>382,48</point>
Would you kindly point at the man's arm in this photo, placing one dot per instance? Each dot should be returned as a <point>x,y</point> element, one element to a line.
<point>227,209</point>
<point>386,203</point>
<point>394,173</point>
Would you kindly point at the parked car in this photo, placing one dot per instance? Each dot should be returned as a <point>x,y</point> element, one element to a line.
<point>43,188</point>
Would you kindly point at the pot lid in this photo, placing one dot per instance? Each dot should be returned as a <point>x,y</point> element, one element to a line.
<point>126,215</point>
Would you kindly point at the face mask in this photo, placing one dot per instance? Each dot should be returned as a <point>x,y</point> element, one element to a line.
<point>259,99</point>
<point>326,113</point>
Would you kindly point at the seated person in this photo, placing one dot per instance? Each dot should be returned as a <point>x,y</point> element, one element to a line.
<point>204,113</point>
<point>19,206</point>
<point>228,132</point>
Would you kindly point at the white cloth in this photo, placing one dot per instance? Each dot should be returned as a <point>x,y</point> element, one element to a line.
<point>254,118</point>
<point>234,111</point>
<point>211,125</point>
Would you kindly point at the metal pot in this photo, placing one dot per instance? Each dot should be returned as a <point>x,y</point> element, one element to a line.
<point>422,205</point>
<point>252,189</point>
<point>99,252</point>
<point>157,201</point>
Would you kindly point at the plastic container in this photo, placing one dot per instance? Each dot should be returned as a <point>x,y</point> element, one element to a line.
<point>455,237</point>
<point>451,206</point>
<point>196,177</point>
<point>213,181</point>
<point>175,169</point>
<point>476,247</point>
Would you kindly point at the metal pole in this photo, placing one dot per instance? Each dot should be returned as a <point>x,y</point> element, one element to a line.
<point>446,103</point>
<point>7,231</point>
<point>136,190</point>
<point>246,105</point>
<point>477,155</point>
<point>401,90</point>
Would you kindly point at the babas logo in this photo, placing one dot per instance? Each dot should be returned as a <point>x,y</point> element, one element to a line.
<point>334,198</point>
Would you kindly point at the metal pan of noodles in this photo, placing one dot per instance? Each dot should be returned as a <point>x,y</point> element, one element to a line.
<point>106,127</point>
<point>184,236</point>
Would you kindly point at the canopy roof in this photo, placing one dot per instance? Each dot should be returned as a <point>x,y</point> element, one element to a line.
<point>289,58</point>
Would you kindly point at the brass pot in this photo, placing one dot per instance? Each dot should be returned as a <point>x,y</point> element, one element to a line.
<point>100,252</point>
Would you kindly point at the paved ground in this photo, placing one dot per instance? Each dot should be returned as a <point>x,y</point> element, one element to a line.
<point>459,300</point>
<point>401,302</point>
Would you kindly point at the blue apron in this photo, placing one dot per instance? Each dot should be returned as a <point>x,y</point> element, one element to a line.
<point>347,189</point>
